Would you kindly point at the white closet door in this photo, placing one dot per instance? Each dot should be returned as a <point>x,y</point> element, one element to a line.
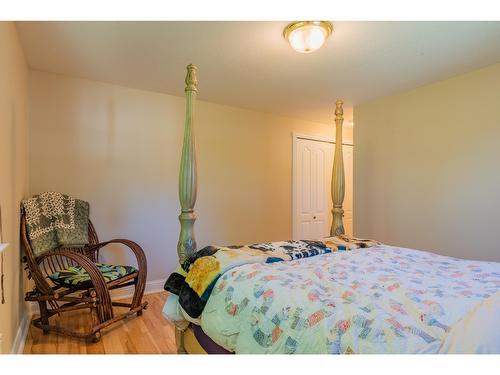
<point>348,163</point>
<point>312,203</point>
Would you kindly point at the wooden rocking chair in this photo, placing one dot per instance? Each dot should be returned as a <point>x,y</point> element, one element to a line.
<point>56,290</point>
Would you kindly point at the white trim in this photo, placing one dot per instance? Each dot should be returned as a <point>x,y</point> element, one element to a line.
<point>153,286</point>
<point>311,137</point>
<point>22,332</point>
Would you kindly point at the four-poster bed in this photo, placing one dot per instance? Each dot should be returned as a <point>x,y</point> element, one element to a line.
<point>188,182</point>
<point>331,295</point>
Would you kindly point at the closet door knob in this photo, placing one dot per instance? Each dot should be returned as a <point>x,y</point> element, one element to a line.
<point>314,217</point>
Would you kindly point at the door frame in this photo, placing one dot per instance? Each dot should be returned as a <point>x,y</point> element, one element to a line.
<point>295,138</point>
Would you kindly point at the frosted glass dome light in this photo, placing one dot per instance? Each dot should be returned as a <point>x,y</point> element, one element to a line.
<point>307,36</point>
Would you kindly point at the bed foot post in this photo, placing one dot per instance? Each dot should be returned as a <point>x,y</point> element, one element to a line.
<point>187,175</point>
<point>179,341</point>
<point>187,186</point>
<point>338,179</point>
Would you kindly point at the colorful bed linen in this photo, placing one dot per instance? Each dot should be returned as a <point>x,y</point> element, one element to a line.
<point>194,280</point>
<point>378,300</point>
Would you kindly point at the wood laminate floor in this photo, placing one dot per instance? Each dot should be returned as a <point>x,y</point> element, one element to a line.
<point>150,333</point>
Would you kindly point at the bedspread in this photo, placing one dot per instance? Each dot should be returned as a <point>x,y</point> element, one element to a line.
<point>193,281</point>
<point>378,300</point>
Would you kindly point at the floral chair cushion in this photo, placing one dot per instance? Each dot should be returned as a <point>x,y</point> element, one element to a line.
<point>76,277</point>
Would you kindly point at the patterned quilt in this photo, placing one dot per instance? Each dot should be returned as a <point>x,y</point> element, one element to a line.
<point>194,280</point>
<point>378,300</point>
<point>54,220</point>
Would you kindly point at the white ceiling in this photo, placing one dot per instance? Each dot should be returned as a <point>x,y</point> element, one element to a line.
<point>250,65</point>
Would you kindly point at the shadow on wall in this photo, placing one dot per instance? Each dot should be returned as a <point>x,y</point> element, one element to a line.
<point>120,149</point>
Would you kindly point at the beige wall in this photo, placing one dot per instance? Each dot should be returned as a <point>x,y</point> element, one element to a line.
<point>426,167</point>
<point>13,173</point>
<point>119,148</point>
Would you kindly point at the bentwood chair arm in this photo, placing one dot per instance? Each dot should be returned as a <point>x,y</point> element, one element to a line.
<point>104,307</point>
<point>141,264</point>
<point>136,249</point>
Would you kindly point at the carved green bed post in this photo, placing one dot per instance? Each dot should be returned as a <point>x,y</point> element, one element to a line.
<point>187,185</point>
<point>187,176</point>
<point>338,178</point>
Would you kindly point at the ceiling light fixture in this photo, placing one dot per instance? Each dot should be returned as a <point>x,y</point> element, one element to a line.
<point>307,36</point>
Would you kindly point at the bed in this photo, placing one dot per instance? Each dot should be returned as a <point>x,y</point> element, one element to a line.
<point>332,295</point>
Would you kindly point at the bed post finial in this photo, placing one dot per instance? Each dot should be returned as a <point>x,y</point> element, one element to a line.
<point>338,178</point>
<point>188,175</point>
<point>339,111</point>
<point>191,79</point>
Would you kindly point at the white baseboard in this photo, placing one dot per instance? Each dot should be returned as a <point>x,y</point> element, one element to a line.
<point>22,332</point>
<point>153,286</point>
